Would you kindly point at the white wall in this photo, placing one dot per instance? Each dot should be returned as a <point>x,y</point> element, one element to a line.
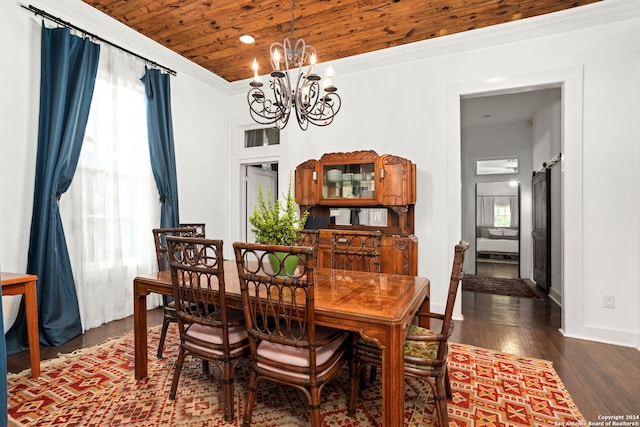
<point>404,101</point>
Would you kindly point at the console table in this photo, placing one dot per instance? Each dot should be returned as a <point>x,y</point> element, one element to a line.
<point>18,284</point>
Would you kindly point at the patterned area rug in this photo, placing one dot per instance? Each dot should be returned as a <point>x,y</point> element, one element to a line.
<point>97,388</point>
<point>498,286</point>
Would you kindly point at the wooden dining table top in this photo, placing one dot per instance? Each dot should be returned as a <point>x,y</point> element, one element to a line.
<point>355,293</point>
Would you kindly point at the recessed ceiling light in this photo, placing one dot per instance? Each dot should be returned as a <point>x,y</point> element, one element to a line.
<point>247,39</point>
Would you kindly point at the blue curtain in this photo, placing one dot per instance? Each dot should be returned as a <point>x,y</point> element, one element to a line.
<point>68,73</point>
<point>161,150</point>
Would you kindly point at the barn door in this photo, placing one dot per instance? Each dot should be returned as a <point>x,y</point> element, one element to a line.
<point>542,229</point>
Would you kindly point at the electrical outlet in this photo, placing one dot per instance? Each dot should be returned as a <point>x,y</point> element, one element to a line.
<point>608,301</point>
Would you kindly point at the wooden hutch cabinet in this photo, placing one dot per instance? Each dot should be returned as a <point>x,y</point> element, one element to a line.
<point>363,191</point>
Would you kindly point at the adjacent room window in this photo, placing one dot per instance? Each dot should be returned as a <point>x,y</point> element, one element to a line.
<point>501,216</point>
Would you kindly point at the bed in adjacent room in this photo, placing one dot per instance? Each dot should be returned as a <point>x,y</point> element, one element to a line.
<point>497,244</point>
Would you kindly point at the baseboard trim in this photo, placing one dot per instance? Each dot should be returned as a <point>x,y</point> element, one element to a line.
<point>606,336</point>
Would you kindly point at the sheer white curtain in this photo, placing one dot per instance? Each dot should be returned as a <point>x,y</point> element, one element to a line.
<point>513,207</point>
<point>112,204</point>
<point>485,211</point>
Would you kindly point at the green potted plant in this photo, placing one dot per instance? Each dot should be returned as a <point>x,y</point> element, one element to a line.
<point>277,223</point>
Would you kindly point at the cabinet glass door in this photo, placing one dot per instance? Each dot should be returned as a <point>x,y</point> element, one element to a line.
<point>352,181</point>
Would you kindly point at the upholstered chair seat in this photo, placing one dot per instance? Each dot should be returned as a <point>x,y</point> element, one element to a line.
<point>299,357</point>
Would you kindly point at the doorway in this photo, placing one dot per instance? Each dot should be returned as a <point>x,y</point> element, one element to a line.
<point>257,176</point>
<point>568,230</point>
<point>524,125</point>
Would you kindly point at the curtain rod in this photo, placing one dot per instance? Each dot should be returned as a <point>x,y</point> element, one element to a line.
<point>57,20</point>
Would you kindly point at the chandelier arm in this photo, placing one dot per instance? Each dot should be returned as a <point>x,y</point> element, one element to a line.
<point>261,109</point>
<point>326,110</point>
<point>307,96</point>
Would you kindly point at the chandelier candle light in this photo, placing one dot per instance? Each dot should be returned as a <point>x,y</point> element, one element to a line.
<point>310,105</point>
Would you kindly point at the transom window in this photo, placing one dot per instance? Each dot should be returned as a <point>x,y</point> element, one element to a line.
<point>261,137</point>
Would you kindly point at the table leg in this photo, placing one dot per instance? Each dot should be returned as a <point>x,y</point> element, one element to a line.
<point>31,309</point>
<point>393,379</point>
<point>140,332</point>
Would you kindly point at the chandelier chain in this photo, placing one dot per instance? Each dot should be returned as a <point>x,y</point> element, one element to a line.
<point>292,21</point>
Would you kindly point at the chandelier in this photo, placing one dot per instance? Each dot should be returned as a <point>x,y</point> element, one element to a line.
<point>306,98</point>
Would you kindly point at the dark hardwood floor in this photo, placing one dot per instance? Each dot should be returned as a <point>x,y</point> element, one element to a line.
<point>497,269</point>
<point>602,379</point>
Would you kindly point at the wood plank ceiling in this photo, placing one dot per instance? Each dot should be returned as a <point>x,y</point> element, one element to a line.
<point>207,31</point>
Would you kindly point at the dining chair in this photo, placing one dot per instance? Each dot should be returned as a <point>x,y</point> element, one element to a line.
<point>309,238</point>
<point>425,350</point>
<point>287,346</point>
<point>356,250</point>
<point>199,228</point>
<point>208,329</point>
<point>168,306</point>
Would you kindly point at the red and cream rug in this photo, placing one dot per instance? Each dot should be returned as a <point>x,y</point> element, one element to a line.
<point>96,388</point>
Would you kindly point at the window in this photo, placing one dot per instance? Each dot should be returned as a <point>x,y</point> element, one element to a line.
<point>115,172</point>
<point>261,137</point>
<point>497,167</point>
<point>113,199</point>
<point>501,216</point>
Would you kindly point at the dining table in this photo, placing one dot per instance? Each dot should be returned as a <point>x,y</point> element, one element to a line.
<point>378,306</point>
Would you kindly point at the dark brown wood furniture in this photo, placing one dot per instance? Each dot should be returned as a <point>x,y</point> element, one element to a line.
<point>160,240</point>
<point>382,319</point>
<point>425,351</point>
<point>199,228</point>
<point>287,346</point>
<point>384,186</point>
<point>25,284</point>
<point>309,238</point>
<point>356,250</point>
<point>208,330</point>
